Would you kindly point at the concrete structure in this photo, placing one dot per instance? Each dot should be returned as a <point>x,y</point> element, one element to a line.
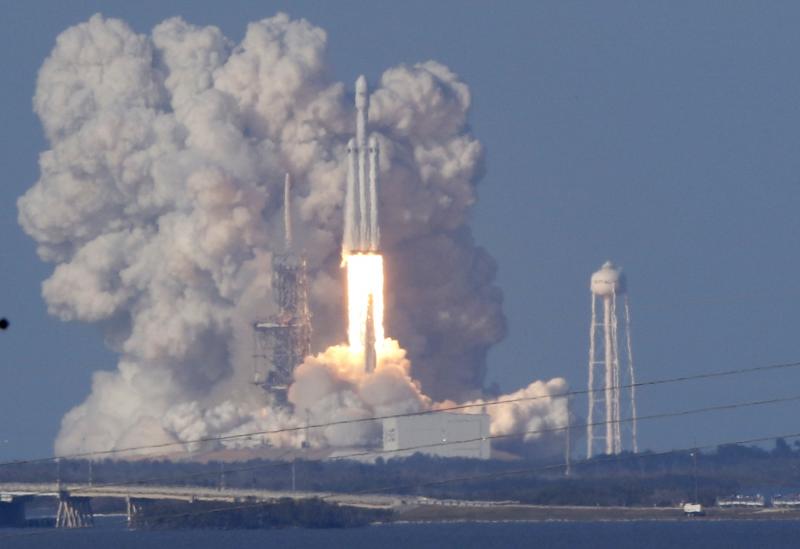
<point>463,435</point>
<point>75,510</point>
<point>284,340</point>
<point>742,501</point>
<point>786,501</point>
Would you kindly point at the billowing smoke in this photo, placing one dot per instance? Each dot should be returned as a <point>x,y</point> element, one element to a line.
<point>159,201</point>
<point>532,414</point>
<point>333,386</point>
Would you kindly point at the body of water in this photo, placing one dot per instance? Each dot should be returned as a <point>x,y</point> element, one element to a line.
<point>110,533</point>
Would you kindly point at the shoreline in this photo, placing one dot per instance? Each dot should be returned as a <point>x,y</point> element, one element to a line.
<point>539,513</point>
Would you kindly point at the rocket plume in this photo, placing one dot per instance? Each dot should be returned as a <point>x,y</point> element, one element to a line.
<point>364,284</point>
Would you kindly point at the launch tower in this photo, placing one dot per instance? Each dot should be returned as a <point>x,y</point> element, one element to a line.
<point>284,340</point>
<point>609,370</point>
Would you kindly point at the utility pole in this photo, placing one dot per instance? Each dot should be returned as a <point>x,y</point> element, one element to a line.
<point>694,461</point>
<point>306,443</point>
<point>568,444</point>
<point>294,482</point>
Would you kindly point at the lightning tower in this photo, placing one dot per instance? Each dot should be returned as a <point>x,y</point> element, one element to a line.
<point>284,340</point>
<point>610,370</point>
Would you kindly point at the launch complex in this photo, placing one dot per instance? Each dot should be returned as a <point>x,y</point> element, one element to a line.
<point>283,340</point>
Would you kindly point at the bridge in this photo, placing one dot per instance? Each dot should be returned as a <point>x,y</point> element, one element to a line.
<point>75,509</point>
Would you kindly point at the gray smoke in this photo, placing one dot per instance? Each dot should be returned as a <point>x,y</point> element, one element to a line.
<point>159,202</point>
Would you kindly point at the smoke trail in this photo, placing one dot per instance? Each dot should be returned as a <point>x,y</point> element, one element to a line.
<point>158,204</point>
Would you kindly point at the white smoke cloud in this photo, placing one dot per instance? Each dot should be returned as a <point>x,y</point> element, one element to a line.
<point>158,203</point>
<point>332,386</point>
<point>535,412</point>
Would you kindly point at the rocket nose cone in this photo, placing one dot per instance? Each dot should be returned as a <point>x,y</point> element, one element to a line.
<point>361,92</point>
<point>361,84</point>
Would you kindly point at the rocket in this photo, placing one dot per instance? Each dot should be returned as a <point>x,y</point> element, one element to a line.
<point>361,233</point>
<point>361,239</point>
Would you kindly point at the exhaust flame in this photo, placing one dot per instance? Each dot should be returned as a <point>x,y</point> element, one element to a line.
<point>364,280</point>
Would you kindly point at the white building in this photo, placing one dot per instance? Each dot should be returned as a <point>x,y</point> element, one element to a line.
<point>444,434</point>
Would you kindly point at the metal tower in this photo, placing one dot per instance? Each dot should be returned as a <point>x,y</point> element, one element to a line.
<point>608,369</point>
<point>284,340</point>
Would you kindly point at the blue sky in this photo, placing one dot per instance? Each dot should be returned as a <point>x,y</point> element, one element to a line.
<point>663,136</point>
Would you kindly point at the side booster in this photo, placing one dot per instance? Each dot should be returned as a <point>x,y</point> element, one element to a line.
<point>361,232</point>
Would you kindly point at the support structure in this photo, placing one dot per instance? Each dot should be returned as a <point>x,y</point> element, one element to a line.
<point>136,511</point>
<point>74,512</point>
<point>610,370</point>
<point>282,341</point>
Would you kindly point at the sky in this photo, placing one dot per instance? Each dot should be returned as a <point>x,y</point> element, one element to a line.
<point>662,136</point>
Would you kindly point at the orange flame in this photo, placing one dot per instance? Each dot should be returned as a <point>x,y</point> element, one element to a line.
<point>364,279</point>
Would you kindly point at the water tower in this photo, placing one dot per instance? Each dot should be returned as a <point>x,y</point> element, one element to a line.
<point>609,369</point>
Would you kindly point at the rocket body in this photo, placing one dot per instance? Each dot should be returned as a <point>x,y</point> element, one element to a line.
<point>361,233</point>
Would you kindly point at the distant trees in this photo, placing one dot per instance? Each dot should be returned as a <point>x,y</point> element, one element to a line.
<point>644,479</point>
<point>782,449</point>
<point>311,513</point>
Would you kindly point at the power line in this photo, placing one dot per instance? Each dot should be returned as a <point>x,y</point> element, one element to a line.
<point>467,478</point>
<point>594,460</point>
<point>185,476</point>
<point>575,426</point>
<point>379,452</point>
<point>251,434</point>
